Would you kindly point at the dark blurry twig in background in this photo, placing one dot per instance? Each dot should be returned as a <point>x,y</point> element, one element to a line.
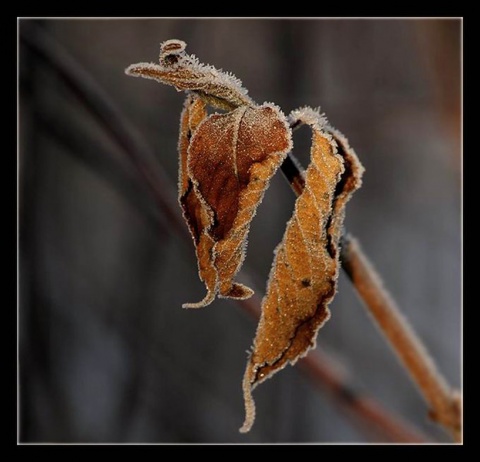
<point>112,120</point>
<point>442,68</point>
<point>85,88</point>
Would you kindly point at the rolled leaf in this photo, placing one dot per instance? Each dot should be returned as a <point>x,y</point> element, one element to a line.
<point>304,274</point>
<point>226,164</point>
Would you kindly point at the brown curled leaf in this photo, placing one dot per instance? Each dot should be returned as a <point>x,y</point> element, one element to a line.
<point>304,273</point>
<point>350,181</point>
<point>196,215</point>
<point>217,88</point>
<point>226,162</point>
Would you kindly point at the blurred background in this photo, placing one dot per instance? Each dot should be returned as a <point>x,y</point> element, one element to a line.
<point>106,352</point>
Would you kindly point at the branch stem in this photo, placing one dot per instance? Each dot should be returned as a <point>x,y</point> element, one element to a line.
<point>445,404</point>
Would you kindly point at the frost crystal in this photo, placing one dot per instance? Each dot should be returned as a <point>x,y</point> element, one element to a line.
<point>185,72</point>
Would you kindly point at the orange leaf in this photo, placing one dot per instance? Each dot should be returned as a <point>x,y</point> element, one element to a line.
<point>304,274</point>
<point>226,162</point>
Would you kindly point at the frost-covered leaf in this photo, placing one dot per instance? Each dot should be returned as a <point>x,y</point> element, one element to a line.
<point>304,274</point>
<point>226,162</point>
<point>217,88</point>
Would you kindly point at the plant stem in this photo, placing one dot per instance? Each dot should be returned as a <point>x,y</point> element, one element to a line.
<point>321,369</point>
<point>445,403</point>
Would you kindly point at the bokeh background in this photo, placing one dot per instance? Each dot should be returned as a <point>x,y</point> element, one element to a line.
<point>106,352</point>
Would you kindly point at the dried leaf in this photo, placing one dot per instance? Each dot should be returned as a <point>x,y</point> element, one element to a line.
<point>226,162</point>
<point>217,88</point>
<point>304,274</point>
<point>196,215</point>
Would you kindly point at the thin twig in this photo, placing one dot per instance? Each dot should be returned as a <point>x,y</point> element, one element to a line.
<point>94,99</point>
<point>444,402</point>
<point>327,374</point>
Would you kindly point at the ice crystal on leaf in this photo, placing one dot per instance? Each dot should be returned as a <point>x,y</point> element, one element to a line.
<point>220,89</point>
